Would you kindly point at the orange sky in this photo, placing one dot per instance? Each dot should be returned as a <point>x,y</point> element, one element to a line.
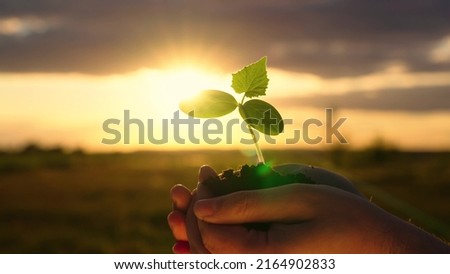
<point>69,109</point>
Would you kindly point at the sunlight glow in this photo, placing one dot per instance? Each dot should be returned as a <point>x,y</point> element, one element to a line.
<point>70,108</point>
<point>184,82</point>
<point>162,90</point>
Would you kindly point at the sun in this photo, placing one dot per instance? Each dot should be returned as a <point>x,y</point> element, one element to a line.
<point>170,86</point>
<point>183,82</point>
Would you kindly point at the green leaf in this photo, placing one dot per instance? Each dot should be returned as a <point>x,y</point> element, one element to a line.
<point>209,104</point>
<point>262,117</point>
<point>252,79</point>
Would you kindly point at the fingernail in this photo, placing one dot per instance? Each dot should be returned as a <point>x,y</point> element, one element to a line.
<point>204,208</point>
<point>181,247</point>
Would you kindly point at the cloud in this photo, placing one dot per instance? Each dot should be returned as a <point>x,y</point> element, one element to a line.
<point>441,53</point>
<point>414,99</point>
<point>21,27</point>
<point>328,38</point>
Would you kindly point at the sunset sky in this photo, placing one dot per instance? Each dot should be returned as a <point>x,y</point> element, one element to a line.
<point>67,66</point>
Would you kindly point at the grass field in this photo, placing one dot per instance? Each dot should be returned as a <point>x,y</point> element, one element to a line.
<point>52,202</point>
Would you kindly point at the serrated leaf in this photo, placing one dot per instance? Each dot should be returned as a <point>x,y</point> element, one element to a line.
<point>209,104</point>
<point>252,80</point>
<point>262,116</point>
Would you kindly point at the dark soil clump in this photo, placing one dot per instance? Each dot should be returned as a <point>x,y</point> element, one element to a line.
<point>250,178</point>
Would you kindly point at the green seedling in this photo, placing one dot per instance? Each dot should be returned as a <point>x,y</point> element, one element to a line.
<point>251,81</point>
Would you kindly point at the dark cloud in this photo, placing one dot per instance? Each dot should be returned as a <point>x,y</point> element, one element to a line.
<point>329,37</point>
<point>417,99</point>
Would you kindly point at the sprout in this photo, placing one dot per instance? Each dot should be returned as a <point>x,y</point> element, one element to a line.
<point>251,81</point>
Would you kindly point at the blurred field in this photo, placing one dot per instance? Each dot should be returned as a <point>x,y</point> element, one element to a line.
<point>54,202</point>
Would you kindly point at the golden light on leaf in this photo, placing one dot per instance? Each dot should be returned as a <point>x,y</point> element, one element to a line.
<point>170,86</point>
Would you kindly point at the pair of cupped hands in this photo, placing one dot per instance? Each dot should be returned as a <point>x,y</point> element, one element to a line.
<point>330,216</point>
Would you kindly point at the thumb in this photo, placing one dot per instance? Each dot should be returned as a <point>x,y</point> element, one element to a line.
<point>265,205</point>
<point>193,233</point>
<point>205,173</point>
<point>192,224</point>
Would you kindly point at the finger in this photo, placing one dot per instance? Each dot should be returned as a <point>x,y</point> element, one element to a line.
<point>266,205</point>
<point>177,223</point>
<point>195,239</point>
<point>181,247</point>
<point>194,236</point>
<point>181,197</point>
<point>233,239</point>
<point>205,173</point>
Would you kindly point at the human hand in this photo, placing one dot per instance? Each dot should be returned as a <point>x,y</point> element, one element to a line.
<point>187,235</point>
<point>319,219</point>
<point>182,197</point>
